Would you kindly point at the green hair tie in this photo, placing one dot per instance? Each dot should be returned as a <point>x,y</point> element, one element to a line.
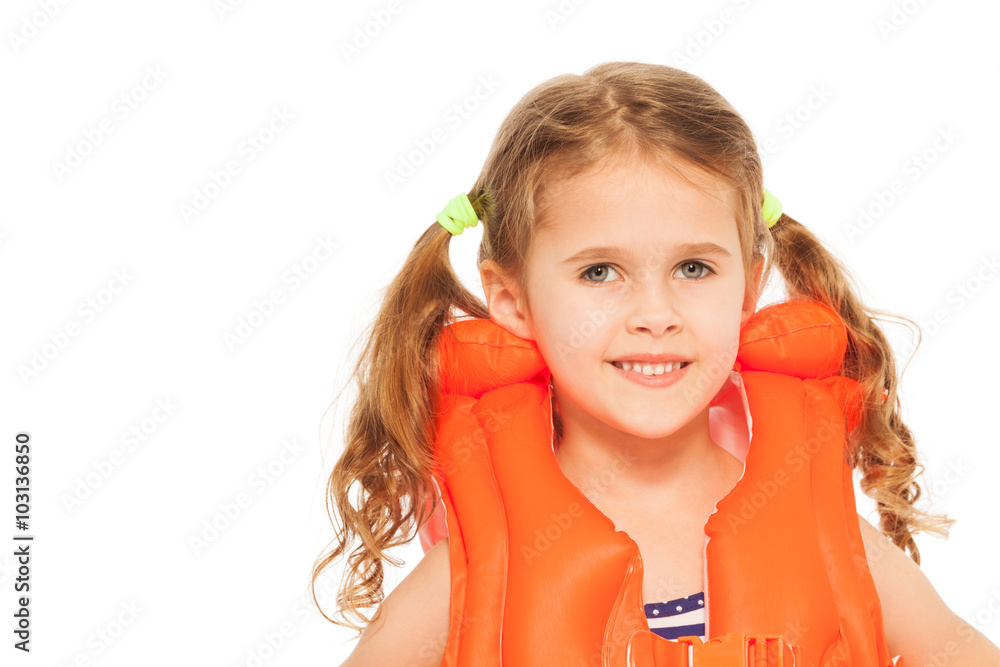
<point>458,215</point>
<point>771,208</point>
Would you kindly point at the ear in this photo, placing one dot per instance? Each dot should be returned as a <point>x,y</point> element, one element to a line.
<point>752,294</point>
<point>505,300</point>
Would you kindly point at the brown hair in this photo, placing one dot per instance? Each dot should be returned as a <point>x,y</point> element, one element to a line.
<point>558,129</point>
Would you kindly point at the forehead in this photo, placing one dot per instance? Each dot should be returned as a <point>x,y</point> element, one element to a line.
<point>638,200</point>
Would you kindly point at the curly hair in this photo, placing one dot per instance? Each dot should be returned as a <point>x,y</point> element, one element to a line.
<point>557,130</point>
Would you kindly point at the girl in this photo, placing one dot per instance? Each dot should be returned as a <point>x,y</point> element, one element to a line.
<point>627,237</point>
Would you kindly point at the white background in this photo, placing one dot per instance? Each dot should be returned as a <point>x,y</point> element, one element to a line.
<point>320,179</point>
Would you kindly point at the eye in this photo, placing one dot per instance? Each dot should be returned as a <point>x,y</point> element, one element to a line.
<point>700,268</point>
<point>591,270</point>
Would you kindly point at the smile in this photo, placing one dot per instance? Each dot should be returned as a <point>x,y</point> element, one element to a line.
<point>650,369</point>
<point>651,375</point>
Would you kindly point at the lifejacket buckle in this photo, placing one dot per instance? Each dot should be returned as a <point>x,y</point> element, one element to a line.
<point>741,649</point>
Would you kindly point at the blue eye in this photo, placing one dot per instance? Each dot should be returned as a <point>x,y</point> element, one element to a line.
<point>606,267</point>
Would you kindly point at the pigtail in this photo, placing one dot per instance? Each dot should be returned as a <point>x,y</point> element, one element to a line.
<point>389,433</point>
<point>882,447</point>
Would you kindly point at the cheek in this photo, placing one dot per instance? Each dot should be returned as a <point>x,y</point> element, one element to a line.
<point>573,333</point>
<point>557,342</point>
<point>717,330</point>
<point>727,340</point>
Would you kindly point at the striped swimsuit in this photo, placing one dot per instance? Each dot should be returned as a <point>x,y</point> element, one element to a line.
<point>682,617</point>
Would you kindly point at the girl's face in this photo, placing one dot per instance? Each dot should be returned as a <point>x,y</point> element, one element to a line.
<point>635,260</point>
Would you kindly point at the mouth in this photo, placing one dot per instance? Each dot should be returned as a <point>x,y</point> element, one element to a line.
<point>647,368</point>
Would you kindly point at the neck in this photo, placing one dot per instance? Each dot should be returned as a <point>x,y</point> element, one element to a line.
<point>620,467</point>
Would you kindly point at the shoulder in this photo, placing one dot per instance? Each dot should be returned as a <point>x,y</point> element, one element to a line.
<point>413,619</point>
<point>916,620</point>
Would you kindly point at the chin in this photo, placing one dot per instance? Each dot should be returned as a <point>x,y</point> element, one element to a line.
<point>652,431</point>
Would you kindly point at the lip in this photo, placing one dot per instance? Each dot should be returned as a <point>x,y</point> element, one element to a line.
<point>648,358</point>
<point>664,380</point>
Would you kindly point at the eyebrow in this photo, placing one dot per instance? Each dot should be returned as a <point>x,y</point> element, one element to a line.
<point>597,252</point>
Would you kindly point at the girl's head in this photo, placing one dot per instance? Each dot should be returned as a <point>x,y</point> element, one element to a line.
<point>647,158</point>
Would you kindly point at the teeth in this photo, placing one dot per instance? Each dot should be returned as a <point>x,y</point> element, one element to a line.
<point>649,369</point>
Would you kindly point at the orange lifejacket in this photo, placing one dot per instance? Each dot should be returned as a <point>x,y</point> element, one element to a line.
<point>539,576</point>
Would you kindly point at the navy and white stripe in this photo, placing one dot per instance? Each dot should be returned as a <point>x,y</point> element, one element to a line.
<point>682,617</point>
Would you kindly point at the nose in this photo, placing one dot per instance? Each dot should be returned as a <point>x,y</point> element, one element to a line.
<point>652,311</point>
